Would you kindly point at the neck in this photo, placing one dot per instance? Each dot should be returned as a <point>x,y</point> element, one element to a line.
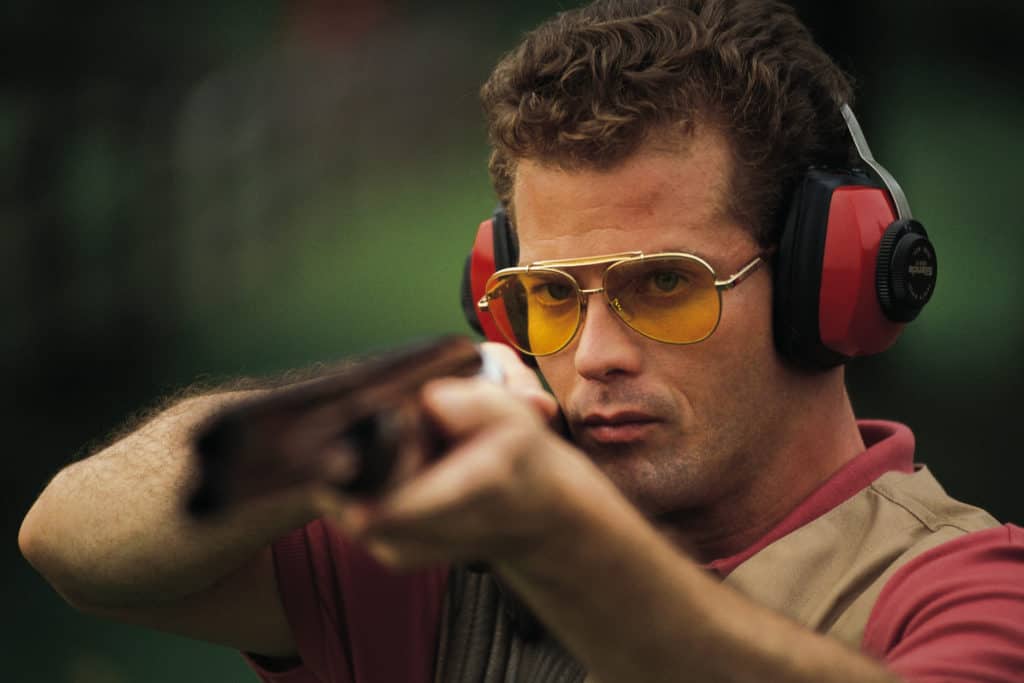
<point>819,436</point>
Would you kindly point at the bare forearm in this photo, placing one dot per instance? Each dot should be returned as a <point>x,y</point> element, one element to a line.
<point>110,530</point>
<point>632,608</point>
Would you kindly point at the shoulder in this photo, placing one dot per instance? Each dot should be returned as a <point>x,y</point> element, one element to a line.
<point>955,611</point>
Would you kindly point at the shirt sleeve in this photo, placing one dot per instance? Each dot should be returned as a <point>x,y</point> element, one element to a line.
<point>955,613</point>
<point>354,621</point>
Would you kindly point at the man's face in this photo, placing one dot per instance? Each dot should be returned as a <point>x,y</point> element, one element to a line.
<point>675,427</point>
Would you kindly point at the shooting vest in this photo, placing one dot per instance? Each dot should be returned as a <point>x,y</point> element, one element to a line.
<point>825,575</point>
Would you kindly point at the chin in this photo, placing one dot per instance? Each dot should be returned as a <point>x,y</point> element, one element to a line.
<point>655,479</point>
<point>633,474</point>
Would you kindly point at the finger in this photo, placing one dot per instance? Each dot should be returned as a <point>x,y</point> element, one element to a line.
<point>338,463</point>
<point>407,554</point>
<point>351,517</point>
<point>543,402</point>
<point>471,472</point>
<point>463,406</point>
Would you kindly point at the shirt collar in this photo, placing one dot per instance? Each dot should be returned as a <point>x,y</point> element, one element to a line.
<point>889,446</point>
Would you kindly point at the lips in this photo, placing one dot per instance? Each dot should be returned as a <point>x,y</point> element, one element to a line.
<point>618,427</point>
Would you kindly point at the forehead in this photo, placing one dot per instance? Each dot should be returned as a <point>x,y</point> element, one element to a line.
<point>662,198</point>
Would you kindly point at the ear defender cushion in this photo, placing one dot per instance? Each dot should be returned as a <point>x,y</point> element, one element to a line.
<point>506,246</point>
<point>826,306</point>
<point>469,309</point>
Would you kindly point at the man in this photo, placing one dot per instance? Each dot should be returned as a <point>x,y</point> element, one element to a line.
<point>720,515</point>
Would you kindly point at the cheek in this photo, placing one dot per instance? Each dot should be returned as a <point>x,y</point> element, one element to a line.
<point>557,372</point>
<point>727,373</point>
<point>746,325</point>
<point>750,377</point>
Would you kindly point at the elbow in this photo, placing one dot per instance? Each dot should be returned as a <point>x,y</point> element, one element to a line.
<point>37,543</point>
<point>32,539</point>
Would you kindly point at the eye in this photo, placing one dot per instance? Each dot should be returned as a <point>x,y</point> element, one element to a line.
<point>551,293</point>
<point>662,282</point>
<point>557,291</point>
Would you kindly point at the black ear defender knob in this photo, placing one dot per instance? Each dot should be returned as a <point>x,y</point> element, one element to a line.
<point>906,270</point>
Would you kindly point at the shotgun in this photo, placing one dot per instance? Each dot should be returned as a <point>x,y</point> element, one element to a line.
<point>360,428</point>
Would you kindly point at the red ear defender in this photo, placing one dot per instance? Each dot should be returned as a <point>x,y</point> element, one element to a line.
<point>850,319</point>
<point>494,248</point>
<point>852,265</point>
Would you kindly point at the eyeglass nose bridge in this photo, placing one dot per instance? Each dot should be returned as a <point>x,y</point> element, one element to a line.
<point>584,297</point>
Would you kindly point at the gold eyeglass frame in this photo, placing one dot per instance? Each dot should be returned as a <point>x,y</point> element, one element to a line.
<point>583,295</point>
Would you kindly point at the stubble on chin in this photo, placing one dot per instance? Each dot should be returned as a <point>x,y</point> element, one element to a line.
<point>658,477</point>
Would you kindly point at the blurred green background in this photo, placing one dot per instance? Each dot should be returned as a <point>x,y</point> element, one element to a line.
<point>193,191</point>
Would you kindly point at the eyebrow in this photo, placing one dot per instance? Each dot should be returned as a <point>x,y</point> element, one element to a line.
<point>682,250</point>
<point>602,258</point>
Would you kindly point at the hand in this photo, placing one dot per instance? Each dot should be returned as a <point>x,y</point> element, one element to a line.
<point>503,492</point>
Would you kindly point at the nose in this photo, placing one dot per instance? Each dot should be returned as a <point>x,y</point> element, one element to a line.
<point>604,346</point>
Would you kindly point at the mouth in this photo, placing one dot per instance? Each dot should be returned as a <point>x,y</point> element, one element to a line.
<point>619,427</point>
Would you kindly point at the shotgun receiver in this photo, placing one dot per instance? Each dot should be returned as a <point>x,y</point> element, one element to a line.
<point>363,421</point>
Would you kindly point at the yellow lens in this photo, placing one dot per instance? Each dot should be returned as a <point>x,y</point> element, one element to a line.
<point>537,311</point>
<point>670,299</point>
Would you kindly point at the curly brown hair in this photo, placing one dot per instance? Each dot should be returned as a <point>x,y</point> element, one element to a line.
<point>589,86</point>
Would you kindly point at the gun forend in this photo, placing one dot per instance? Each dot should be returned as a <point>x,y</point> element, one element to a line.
<point>366,416</point>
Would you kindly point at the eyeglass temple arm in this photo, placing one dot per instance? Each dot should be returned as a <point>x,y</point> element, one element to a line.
<point>744,272</point>
<point>484,303</point>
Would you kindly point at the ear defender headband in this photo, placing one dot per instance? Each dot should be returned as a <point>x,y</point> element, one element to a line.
<point>852,266</point>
